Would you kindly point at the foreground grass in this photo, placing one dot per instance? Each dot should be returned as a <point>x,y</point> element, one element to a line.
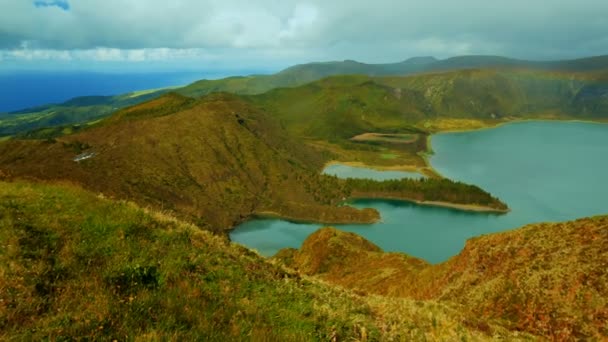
<point>76,265</point>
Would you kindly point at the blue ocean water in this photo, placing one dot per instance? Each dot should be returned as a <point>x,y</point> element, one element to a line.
<point>20,90</point>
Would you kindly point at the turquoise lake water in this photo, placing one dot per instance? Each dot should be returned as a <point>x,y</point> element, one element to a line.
<point>544,171</point>
<point>345,171</point>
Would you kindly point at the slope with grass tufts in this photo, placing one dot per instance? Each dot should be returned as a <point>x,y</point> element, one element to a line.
<point>546,279</point>
<point>215,161</point>
<point>74,265</point>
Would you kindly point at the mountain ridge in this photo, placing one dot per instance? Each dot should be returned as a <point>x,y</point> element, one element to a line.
<point>72,112</point>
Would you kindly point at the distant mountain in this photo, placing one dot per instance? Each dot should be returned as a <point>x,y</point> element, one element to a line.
<point>475,62</point>
<point>84,109</point>
<point>340,107</point>
<point>305,73</point>
<point>76,111</point>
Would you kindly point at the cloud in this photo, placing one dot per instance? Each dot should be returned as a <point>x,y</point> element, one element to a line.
<point>64,5</point>
<point>102,54</point>
<point>290,31</point>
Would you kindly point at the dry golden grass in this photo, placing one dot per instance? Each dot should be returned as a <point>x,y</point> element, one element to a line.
<point>547,279</point>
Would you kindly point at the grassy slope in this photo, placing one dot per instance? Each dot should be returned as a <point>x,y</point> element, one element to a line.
<point>70,115</point>
<point>344,106</point>
<point>217,160</point>
<point>331,111</point>
<point>102,270</point>
<point>547,279</point>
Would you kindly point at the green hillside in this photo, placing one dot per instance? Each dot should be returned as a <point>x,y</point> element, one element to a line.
<point>545,279</point>
<point>216,161</point>
<point>331,112</point>
<point>328,114</point>
<point>71,115</point>
<point>97,269</point>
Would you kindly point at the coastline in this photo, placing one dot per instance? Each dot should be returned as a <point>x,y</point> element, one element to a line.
<point>498,124</point>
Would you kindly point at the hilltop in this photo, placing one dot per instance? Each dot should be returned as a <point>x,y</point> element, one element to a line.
<point>305,73</point>
<point>548,279</point>
<point>216,161</point>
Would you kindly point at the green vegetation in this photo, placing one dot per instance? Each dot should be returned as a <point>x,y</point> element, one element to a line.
<point>305,73</point>
<point>389,155</point>
<point>586,102</point>
<point>545,279</point>
<point>299,75</point>
<point>97,269</point>
<point>342,107</point>
<point>216,162</point>
<point>78,265</point>
<point>336,109</point>
<point>425,190</point>
<point>70,116</point>
<point>167,104</point>
<point>390,138</point>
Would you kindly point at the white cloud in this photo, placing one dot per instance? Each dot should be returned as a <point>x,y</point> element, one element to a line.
<point>103,54</point>
<point>302,21</point>
<point>289,31</point>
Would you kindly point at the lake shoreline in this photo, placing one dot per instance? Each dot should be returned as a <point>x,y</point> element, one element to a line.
<point>407,168</point>
<point>427,169</point>
<point>515,121</point>
<point>438,204</point>
<point>267,214</point>
<point>534,175</point>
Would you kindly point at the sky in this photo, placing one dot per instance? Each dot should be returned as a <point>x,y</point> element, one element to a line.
<point>272,34</point>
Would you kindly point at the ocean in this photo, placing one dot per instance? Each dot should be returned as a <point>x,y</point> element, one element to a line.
<point>20,90</point>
